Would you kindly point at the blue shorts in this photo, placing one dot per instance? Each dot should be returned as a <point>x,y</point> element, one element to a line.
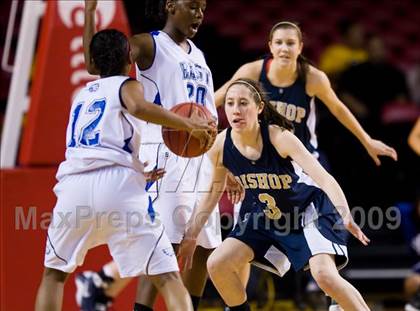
<point>319,230</point>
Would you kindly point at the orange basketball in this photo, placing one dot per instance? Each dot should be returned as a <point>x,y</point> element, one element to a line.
<point>181,142</point>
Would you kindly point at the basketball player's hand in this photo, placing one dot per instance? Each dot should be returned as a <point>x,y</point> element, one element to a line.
<point>234,190</point>
<point>354,229</point>
<point>154,174</point>
<point>203,129</point>
<point>90,5</point>
<point>186,252</point>
<point>376,148</point>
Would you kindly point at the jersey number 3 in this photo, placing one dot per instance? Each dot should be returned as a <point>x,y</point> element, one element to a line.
<point>272,211</point>
<point>88,136</point>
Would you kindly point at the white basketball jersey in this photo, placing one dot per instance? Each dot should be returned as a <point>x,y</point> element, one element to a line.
<point>176,76</point>
<point>100,131</point>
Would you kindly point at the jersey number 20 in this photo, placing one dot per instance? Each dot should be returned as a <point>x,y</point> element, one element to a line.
<point>88,136</point>
<point>196,93</point>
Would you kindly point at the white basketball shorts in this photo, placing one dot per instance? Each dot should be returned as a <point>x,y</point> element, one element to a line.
<point>177,194</point>
<point>107,206</point>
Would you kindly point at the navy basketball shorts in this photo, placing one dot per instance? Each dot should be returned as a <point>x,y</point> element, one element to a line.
<point>278,246</point>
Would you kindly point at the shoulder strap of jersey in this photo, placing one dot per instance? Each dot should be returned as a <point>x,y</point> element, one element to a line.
<point>228,144</point>
<point>264,69</point>
<point>264,132</point>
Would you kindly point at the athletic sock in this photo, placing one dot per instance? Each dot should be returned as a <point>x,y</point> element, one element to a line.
<point>107,279</point>
<point>195,302</point>
<point>140,307</point>
<point>243,307</point>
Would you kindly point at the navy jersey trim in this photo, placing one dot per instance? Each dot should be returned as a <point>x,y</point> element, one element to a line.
<point>119,91</point>
<point>151,183</point>
<point>264,77</point>
<point>154,249</point>
<point>229,140</point>
<point>152,35</point>
<point>55,253</point>
<point>127,141</point>
<point>263,74</point>
<point>265,135</point>
<point>190,47</point>
<point>157,98</point>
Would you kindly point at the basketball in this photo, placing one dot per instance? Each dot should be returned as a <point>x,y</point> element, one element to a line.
<point>181,142</point>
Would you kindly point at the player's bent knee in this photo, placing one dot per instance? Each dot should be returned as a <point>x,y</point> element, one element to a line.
<point>211,267</point>
<point>217,265</point>
<point>145,284</point>
<point>324,278</point>
<point>55,275</point>
<point>163,279</point>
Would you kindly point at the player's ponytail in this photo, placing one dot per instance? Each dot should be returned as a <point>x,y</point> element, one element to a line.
<point>302,67</point>
<point>269,115</point>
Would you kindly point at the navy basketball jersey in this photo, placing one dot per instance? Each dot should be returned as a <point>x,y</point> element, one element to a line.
<point>294,104</point>
<point>272,184</point>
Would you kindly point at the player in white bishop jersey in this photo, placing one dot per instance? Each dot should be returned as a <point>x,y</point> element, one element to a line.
<point>101,196</point>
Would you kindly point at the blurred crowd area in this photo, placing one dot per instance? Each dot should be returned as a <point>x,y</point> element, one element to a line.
<point>371,52</point>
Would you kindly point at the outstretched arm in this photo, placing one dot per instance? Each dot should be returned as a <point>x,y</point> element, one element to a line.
<point>142,45</point>
<point>414,138</point>
<point>207,204</point>
<point>321,87</point>
<point>248,70</point>
<point>133,98</point>
<point>288,144</point>
<point>88,32</point>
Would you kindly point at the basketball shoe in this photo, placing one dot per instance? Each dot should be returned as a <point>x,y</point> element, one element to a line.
<point>90,292</point>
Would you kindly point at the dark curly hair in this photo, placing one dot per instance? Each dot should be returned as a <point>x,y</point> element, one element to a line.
<point>109,50</point>
<point>269,115</point>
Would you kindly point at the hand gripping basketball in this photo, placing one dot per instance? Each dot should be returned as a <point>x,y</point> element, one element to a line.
<point>192,144</point>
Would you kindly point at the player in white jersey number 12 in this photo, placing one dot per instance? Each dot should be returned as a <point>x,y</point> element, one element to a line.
<point>172,70</point>
<point>101,196</point>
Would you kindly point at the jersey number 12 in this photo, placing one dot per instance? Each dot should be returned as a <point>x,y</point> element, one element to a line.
<point>88,136</point>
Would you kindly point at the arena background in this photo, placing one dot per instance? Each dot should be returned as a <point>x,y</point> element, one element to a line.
<point>34,111</point>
